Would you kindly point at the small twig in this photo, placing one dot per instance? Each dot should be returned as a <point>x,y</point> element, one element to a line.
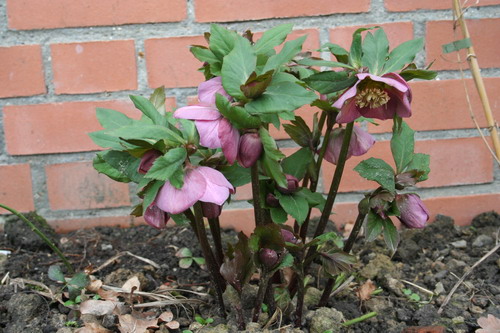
<point>466,274</point>
<point>418,287</point>
<point>121,254</point>
<point>342,286</point>
<point>360,319</point>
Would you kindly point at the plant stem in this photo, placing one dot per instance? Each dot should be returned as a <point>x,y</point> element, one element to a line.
<point>260,295</point>
<point>215,230</point>
<point>347,248</point>
<point>360,319</point>
<point>254,171</point>
<point>301,291</point>
<point>42,236</point>
<point>215,275</point>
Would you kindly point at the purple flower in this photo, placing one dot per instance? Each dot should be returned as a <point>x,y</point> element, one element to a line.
<point>200,184</point>
<point>211,210</point>
<point>250,149</point>
<point>156,217</point>
<point>272,201</point>
<point>413,212</point>
<point>292,185</point>
<point>288,236</point>
<point>147,161</point>
<point>380,97</point>
<point>215,130</point>
<point>268,257</point>
<point>361,142</point>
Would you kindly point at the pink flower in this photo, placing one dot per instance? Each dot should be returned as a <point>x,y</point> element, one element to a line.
<point>380,97</point>
<point>413,212</point>
<point>215,130</point>
<point>361,142</point>
<point>147,160</point>
<point>200,184</point>
<point>156,217</point>
<point>250,149</point>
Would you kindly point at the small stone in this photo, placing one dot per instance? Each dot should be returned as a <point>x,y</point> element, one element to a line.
<point>461,244</point>
<point>380,264</point>
<point>195,326</point>
<point>476,309</point>
<point>458,320</point>
<point>439,289</point>
<point>312,297</point>
<point>106,247</point>
<point>482,240</point>
<point>324,319</point>
<point>393,285</point>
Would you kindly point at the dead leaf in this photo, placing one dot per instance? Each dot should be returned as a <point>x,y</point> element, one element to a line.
<point>94,286</point>
<point>131,283</point>
<point>98,308</point>
<point>92,328</point>
<point>173,325</point>
<point>130,324</point>
<point>365,291</point>
<point>166,316</point>
<point>490,324</point>
<point>108,295</point>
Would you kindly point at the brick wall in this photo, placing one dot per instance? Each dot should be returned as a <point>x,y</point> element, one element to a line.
<point>60,59</point>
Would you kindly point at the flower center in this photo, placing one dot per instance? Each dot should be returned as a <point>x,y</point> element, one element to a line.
<point>371,97</point>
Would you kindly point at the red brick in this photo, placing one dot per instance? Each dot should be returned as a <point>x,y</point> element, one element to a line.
<point>170,64</point>
<point>240,10</point>
<point>397,33</point>
<point>409,5</point>
<point>442,105</point>
<point>58,127</point>
<point>483,32</point>
<point>16,190</point>
<point>63,14</point>
<point>21,73</point>
<point>449,164</point>
<point>79,186</point>
<point>90,67</point>
<point>68,225</point>
<point>463,208</point>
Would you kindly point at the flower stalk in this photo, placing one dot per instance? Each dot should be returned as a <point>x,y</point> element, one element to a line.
<point>254,172</point>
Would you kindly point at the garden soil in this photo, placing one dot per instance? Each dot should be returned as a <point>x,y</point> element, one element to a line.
<point>405,289</point>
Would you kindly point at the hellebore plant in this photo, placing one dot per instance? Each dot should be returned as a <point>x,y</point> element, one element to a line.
<point>187,163</point>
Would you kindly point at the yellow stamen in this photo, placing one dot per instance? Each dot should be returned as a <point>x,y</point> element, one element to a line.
<point>372,98</point>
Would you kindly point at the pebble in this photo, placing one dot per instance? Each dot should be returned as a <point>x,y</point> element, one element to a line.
<point>439,289</point>
<point>105,247</point>
<point>461,244</point>
<point>475,309</point>
<point>482,240</point>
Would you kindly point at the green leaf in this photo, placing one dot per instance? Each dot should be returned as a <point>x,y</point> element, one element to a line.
<point>330,81</point>
<point>323,63</point>
<point>272,168</point>
<point>375,49</point>
<point>105,168</point>
<point>297,163</point>
<point>421,163</point>
<point>456,45</point>
<point>281,97</point>
<point>299,132</point>
<point>55,273</point>
<point>287,261</point>
<point>391,235</point>
<point>374,226</point>
<point>111,119</point>
<point>272,38</point>
<point>149,110</point>
<point>357,48</point>
<point>295,205</point>
<point>185,262</point>
<point>377,170</point>
<point>278,215</point>
<point>237,67</point>
<point>199,260</point>
<point>236,174</point>
<point>402,55</point>
<point>150,193</point>
<point>288,52</point>
<point>402,146</point>
<point>338,51</point>
<point>157,98</point>
<point>221,40</point>
<point>236,114</point>
<point>79,280</point>
<point>105,140</point>
<point>165,166</point>
<point>314,199</point>
<point>123,162</point>
<point>204,54</point>
<point>151,132</point>
<point>422,74</point>
<point>269,145</point>
<point>336,262</point>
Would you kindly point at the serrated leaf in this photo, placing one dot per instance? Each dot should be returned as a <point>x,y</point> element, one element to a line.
<point>237,67</point>
<point>151,132</point>
<point>278,215</point>
<point>123,162</point>
<point>420,162</point>
<point>236,114</point>
<point>402,55</point>
<point>402,146</point>
<point>151,192</point>
<point>330,81</point>
<point>422,74</point>
<point>375,49</point>
<point>148,109</point>
<point>337,262</point>
<point>323,63</point>
<point>295,205</point>
<point>221,40</point>
<point>338,51</point>
<point>55,273</point>
<point>374,226</point>
<point>297,163</point>
<point>299,132</point>
<point>287,261</point>
<point>105,168</point>
<point>269,144</point>
<point>356,51</point>
<point>272,38</point>
<point>157,98</point>
<point>391,235</point>
<point>314,199</point>
<point>111,119</point>
<point>167,165</point>
<point>203,54</point>
<point>377,170</point>
<point>105,140</point>
<point>288,52</point>
<point>272,169</point>
<point>236,174</point>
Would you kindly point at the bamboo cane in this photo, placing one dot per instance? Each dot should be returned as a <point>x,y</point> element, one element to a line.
<point>478,80</point>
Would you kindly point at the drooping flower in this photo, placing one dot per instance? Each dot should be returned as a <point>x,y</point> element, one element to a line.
<point>211,210</point>
<point>380,97</point>
<point>361,142</point>
<point>147,160</point>
<point>292,185</point>
<point>268,257</point>
<point>414,214</point>
<point>200,184</point>
<point>215,130</point>
<point>250,149</point>
<point>288,236</point>
<point>156,217</point>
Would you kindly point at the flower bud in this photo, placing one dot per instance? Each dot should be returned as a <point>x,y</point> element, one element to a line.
<point>155,217</point>
<point>292,185</point>
<point>250,149</point>
<point>211,210</point>
<point>272,201</point>
<point>268,257</point>
<point>361,142</point>
<point>288,236</point>
<point>147,160</point>
<point>413,212</point>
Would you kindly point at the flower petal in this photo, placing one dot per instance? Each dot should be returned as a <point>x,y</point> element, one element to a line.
<point>217,188</point>
<point>197,112</point>
<point>400,104</point>
<point>387,79</point>
<point>155,217</point>
<point>209,133</point>
<point>348,112</point>
<point>383,112</point>
<point>349,93</point>
<point>214,176</point>
<point>208,89</point>
<point>229,137</point>
<point>175,201</point>
<point>361,141</point>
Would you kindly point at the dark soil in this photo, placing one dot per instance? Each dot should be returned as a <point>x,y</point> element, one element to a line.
<point>412,284</point>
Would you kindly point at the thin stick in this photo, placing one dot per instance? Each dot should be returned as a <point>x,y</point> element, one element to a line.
<point>476,74</point>
<point>121,254</point>
<point>360,319</point>
<point>418,287</point>
<point>466,274</point>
